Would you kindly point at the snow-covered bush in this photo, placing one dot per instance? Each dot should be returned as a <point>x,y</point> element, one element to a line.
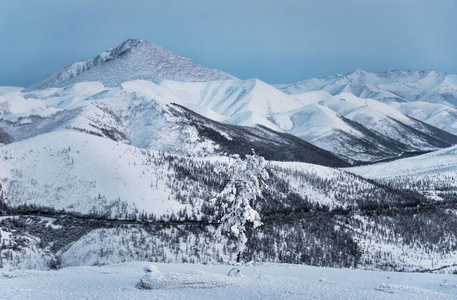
<point>156,280</point>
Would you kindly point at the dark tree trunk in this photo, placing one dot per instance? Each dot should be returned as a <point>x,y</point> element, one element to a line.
<point>238,257</point>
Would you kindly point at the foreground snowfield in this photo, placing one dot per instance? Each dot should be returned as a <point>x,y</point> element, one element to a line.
<point>196,281</point>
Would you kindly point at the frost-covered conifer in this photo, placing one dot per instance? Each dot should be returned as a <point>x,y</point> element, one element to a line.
<point>246,182</point>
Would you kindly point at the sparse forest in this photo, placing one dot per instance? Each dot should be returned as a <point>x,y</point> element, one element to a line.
<point>330,218</point>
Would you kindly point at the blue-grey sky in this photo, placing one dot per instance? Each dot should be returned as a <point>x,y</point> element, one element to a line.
<point>277,41</point>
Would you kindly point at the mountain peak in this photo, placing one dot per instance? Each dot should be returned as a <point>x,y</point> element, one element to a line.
<point>133,59</point>
<point>127,45</point>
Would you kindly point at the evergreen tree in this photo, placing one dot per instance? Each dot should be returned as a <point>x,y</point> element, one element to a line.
<point>246,181</point>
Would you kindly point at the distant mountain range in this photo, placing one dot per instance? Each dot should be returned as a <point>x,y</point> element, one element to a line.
<point>429,96</point>
<point>359,117</point>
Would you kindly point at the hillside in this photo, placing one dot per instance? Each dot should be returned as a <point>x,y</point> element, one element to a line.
<point>433,174</point>
<point>60,170</point>
<point>153,206</point>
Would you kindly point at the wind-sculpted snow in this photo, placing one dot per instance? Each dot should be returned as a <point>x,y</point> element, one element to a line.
<point>198,280</point>
<point>133,59</point>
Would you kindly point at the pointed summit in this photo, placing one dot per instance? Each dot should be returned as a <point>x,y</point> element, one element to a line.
<point>133,59</point>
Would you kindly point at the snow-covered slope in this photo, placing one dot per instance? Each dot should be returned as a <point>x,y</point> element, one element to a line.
<point>433,174</point>
<point>9,89</point>
<point>439,115</point>
<point>140,113</point>
<point>246,102</point>
<point>393,128</point>
<point>20,249</point>
<point>84,173</point>
<point>133,59</point>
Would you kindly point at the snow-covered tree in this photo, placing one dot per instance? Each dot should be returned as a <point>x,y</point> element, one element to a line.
<point>246,183</point>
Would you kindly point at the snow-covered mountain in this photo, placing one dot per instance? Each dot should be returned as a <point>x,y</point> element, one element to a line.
<point>133,59</point>
<point>371,127</point>
<point>142,114</point>
<point>241,102</point>
<point>427,96</point>
<point>85,174</point>
<point>341,114</point>
<point>354,128</point>
<point>439,115</point>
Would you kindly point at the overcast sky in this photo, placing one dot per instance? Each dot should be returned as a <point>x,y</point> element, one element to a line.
<point>275,41</point>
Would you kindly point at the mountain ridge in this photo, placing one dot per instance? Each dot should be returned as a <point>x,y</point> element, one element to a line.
<point>143,115</point>
<point>435,92</point>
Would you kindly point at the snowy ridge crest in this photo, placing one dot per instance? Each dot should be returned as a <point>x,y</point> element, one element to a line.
<point>79,67</point>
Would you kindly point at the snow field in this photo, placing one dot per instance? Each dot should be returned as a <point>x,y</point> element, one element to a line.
<point>189,281</point>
